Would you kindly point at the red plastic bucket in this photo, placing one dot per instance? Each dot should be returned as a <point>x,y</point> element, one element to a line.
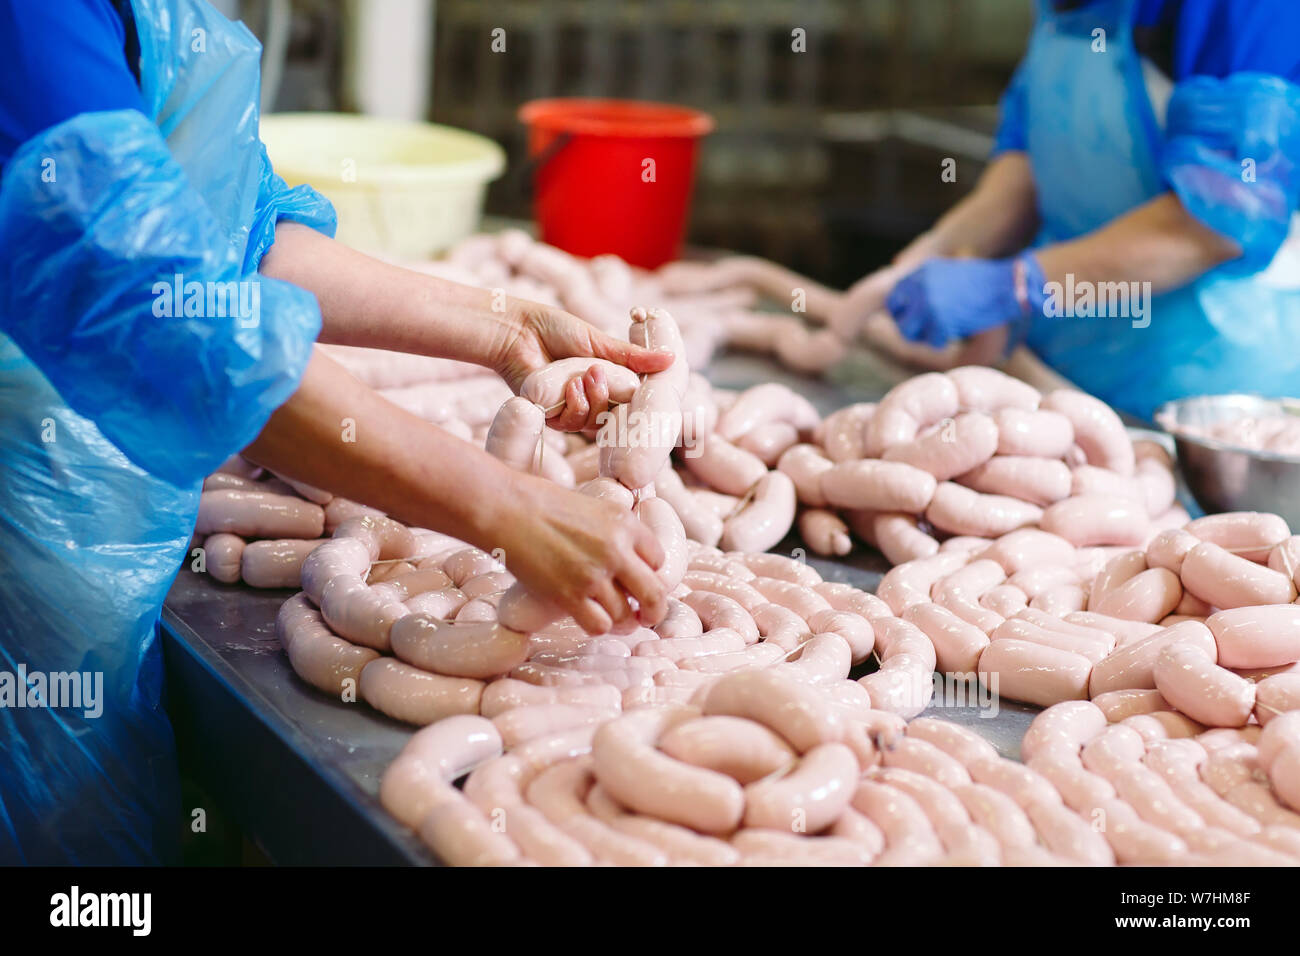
<point>614,176</point>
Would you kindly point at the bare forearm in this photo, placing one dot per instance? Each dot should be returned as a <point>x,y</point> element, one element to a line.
<point>1158,242</point>
<point>378,305</point>
<point>998,218</point>
<point>337,434</point>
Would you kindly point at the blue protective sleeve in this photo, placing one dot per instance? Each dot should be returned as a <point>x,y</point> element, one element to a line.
<point>276,201</point>
<point>1011,132</point>
<point>97,221</point>
<point>1220,37</point>
<point>1230,153</point>
<point>60,59</point>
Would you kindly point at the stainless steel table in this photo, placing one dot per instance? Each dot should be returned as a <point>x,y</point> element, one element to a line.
<point>300,770</point>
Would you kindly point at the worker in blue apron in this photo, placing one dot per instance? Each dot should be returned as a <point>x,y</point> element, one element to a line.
<point>129,155</point>
<point>1141,141</point>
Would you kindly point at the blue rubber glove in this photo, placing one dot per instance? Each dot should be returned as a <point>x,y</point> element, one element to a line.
<point>947,299</point>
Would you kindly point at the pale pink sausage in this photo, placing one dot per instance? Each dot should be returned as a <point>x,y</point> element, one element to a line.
<point>724,467</point>
<point>1035,673</point>
<point>1190,680</point>
<point>961,744</point>
<point>1030,548</point>
<point>742,749</point>
<point>223,555</point>
<point>810,797</point>
<point>878,486</point>
<point>845,597</point>
<point>1247,534</point>
<point>910,583</point>
<point>1097,429</point>
<point>1276,695</point>
<point>985,389</point>
<point>414,695</point>
<point>924,758</point>
<point>1115,572</point>
<point>1148,596</point>
<point>700,523</point>
<point>516,433</point>
<point>659,516</point>
<point>359,612</point>
<point>559,792</point>
<point>683,846</point>
<point>1281,734</point>
<point>739,591</point>
<point>804,464</point>
<point>952,824</point>
<point>1159,489</point>
<point>524,723</point>
<point>960,592</point>
<point>998,814</point>
<point>1033,433</point>
<point>796,710</point>
<point>1123,631</point>
<point>1132,665</point>
<point>1082,790</point>
<point>421,776</point>
<point>802,600</point>
<point>258,514</point>
<point>1225,580</point>
<point>276,564</point>
<point>842,432</point>
<point>1120,704</point>
<point>825,532</point>
<point>1018,629</point>
<point>763,404</point>
<point>637,438</point>
<point>1095,520</point>
<point>908,407</point>
<point>626,763</point>
<point>959,510</point>
<point>1064,832</point>
<point>951,449</point>
<point>852,628</point>
<point>479,650</point>
<point>1005,600</point>
<point>718,610</point>
<point>1257,636</point>
<point>910,840</point>
<point>1039,481</point>
<point>1285,558</point>
<point>899,537</point>
<point>316,654</point>
<point>1169,549</point>
<point>506,694</point>
<point>779,566</point>
<point>1091,480</point>
<point>1060,599</point>
<point>957,643</point>
<point>767,518</point>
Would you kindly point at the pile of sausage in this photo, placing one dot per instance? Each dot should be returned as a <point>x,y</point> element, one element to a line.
<point>1278,434</point>
<point>258,528</point>
<point>975,453</point>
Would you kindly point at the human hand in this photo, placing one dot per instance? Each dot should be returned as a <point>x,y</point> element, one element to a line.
<point>544,334</point>
<point>586,555</point>
<point>947,299</point>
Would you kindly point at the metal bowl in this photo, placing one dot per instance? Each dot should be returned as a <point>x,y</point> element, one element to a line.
<point>1226,477</point>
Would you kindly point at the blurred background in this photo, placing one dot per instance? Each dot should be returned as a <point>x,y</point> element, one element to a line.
<point>827,160</point>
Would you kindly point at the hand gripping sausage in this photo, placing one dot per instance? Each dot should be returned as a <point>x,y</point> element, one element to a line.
<point>545,387</point>
<point>642,778</point>
<point>1097,429</point>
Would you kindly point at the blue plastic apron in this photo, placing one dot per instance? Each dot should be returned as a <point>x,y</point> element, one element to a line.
<point>91,537</point>
<point>1094,146</point>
